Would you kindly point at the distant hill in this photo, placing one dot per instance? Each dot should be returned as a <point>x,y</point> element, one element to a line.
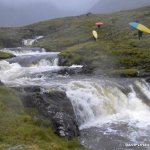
<point>107,6</point>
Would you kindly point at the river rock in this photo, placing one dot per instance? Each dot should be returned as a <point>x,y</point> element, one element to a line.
<point>1,83</point>
<point>70,71</point>
<point>62,61</point>
<point>144,74</point>
<point>53,105</point>
<point>148,80</point>
<point>87,69</point>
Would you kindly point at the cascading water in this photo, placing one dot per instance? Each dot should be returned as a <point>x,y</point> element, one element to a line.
<point>113,111</point>
<point>93,102</point>
<point>29,42</point>
<point>28,62</point>
<point>30,66</point>
<point>112,114</point>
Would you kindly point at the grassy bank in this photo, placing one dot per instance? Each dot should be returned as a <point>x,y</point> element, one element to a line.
<point>117,50</point>
<point>4,55</point>
<point>19,126</point>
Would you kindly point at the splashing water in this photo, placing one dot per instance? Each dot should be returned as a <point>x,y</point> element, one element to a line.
<point>112,111</point>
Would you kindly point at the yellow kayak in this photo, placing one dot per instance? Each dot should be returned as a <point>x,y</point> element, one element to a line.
<point>95,34</point>
<point>143,28</point>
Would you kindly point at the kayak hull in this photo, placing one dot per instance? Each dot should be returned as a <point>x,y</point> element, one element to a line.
<point>95,34</point>
<point>139,27</point>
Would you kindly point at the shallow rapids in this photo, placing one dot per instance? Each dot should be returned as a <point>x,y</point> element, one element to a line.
<point>32,66</point>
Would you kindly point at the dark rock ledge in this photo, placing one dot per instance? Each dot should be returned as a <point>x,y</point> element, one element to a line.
<point>53,105</point>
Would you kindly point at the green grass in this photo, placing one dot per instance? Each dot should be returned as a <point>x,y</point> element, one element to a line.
<point>4,55</point>
<point>125,72</point>
<point>117,47</point>
<point>21,127</point>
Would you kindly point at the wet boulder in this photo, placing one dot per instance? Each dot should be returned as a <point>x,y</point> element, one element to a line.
<point>53,105</point>
<point>70,70</point>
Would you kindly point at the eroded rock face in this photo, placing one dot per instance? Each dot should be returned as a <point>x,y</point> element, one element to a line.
<point>65,126</point>
<point>86,69</point>
<point>53,105</point>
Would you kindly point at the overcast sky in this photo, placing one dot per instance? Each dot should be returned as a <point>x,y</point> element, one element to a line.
<point>22,12</point>
<point>80,5</point>
<point>107,6</point>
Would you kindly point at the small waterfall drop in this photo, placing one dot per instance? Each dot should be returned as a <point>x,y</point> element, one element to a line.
<point>32,66</point>
<point>111,113</point>
<point>27,63</point>
<point>97,103</point>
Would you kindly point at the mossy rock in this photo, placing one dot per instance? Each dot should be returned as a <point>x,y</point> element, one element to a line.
<point>4,55</point>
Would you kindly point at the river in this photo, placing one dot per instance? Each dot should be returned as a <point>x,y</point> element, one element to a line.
<point>113,114</point>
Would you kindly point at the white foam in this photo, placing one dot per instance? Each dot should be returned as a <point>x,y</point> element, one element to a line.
<point>9,71</point>
<point>96,104</point>
<point>144,87</point>
<point>29,42</point>
<point>76,66</point>
<point>23,52</point>
<point>39,37</point>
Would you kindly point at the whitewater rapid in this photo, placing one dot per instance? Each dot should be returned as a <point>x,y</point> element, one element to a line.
<point>32,66</point>
<point>97,103</point>
<point>111,113</point>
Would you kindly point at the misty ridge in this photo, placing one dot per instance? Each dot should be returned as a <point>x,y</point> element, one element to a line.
<point>108,6</point>
<point>19,14</point>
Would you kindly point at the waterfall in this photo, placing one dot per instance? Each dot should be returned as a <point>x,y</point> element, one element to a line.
<point>105,109</point>
<point>29,42</point>
<point>96,103</point>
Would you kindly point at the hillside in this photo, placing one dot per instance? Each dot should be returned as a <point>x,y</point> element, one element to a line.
<point>117,51</point>
<point>107,6</point>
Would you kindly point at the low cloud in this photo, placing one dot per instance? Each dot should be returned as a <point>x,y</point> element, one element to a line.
<point>22,12</point>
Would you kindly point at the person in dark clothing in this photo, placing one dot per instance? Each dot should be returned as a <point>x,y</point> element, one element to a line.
<point>140,34</point>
